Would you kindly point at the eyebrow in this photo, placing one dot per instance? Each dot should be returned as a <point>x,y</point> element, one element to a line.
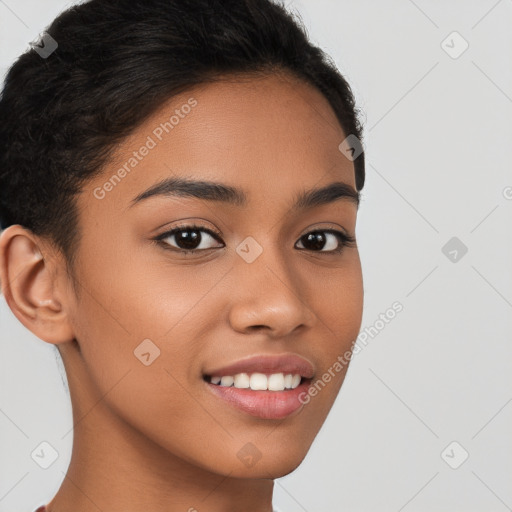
<point>215,191</point>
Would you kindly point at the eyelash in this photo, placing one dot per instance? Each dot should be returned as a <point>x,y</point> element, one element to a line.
<point>344,239</point>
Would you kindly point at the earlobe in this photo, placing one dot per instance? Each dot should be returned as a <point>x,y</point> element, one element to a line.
<point>28,284</point>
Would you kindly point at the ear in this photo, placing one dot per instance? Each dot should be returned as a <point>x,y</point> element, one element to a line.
<point>28,278</point>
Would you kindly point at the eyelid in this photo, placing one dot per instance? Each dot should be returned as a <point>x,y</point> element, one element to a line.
<point>325,226</point>
<point>188,225</point>
<point>191,227</point>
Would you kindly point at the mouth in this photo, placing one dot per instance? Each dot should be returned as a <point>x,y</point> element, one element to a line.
<point>267,387</point>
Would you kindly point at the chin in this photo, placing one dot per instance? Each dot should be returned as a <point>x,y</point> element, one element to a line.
<point>266,464</point>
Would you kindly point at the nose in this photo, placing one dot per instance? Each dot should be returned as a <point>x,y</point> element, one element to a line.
<point>269,295</point>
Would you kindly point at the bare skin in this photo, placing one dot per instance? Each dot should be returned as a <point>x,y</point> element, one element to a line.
<point>154,437</point>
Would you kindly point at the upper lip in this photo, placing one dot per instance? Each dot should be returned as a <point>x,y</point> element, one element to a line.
<point>286,363</point>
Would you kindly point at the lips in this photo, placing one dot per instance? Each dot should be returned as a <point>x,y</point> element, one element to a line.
<point>267,364</point>
<point>263,403</point>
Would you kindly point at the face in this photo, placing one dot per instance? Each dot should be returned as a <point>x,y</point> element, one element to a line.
<point>248,273</point>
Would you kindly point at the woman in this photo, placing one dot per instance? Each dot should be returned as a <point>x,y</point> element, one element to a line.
<point>179,192</point>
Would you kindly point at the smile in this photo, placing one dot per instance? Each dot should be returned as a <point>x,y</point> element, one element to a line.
<point>267,386</point>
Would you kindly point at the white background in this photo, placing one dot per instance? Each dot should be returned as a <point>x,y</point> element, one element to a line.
<point>438,139</point>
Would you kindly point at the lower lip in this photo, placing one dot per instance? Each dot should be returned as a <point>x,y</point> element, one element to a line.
<point>270,405</point>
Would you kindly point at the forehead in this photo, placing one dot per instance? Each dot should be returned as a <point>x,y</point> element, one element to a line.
<point>273,135</point>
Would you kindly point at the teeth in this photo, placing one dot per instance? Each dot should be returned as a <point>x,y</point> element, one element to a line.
<point>259,381</point>
<point>242,380</point>
<point>227,380</point>
<point>295,381</point>
<point>276,382</point>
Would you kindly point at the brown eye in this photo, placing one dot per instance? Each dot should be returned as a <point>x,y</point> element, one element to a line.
<point>189,239</point>
<point>320,241</point>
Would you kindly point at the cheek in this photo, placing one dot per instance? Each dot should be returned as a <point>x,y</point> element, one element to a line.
<point>160,399</point>
<point>339,307</point>
<point>138,291</point>
<point>133,315</point>
<point>339,304</point>
<point>343,310</point>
